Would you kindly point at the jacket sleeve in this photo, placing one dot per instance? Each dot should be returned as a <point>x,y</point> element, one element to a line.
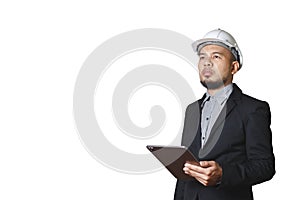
<point>260,163</point>
<point>186,140</point>
<point>179,189</point>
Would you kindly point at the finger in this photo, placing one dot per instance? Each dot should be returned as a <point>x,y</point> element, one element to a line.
<point>196,168</point>
<point>207,163</point>
<point>205,183</point>
<point>199,176</point>
<point>207,171</point>
<point>203,163</point>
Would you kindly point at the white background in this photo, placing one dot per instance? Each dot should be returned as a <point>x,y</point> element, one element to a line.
<point>43,46</point>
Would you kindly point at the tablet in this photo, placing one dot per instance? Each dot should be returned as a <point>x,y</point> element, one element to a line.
<point>174,158</point>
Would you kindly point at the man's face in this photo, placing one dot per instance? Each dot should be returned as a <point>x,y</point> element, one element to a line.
<point>215,66</point>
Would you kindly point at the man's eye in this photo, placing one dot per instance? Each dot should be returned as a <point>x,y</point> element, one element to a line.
<point>217,57</point>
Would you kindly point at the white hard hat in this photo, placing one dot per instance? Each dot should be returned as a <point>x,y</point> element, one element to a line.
<point>221,38</point>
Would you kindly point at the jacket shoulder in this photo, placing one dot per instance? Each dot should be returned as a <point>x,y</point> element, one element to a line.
<point>252,103</point>
<point>248,103</point>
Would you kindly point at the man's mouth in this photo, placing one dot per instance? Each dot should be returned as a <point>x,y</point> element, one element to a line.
<point>207,72</point>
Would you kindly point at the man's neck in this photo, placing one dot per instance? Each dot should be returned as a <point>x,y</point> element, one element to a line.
<point>212,92</point>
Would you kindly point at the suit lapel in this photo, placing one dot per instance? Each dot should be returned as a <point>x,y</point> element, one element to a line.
<point>230,104</point>
<point>192,127</point>
<point>219,124</point>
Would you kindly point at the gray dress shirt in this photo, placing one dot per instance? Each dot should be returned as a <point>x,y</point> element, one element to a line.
<point>211,108</point>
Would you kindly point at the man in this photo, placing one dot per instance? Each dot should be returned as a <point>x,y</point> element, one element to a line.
<point>227,130</point>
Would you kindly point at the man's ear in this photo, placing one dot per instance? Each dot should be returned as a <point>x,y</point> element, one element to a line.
<point>235,66</point>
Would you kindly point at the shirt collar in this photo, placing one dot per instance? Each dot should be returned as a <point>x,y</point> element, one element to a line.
<point>221,96</point>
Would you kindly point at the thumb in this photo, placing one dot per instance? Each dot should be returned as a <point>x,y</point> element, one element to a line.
<point>206,163</point>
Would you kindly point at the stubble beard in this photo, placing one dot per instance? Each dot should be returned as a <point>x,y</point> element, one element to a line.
<point>212,85</point>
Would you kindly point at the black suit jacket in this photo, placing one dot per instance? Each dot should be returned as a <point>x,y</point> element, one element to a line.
<point>240,141</point>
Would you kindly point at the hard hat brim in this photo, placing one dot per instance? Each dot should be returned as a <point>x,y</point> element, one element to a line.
<point>199,44</point>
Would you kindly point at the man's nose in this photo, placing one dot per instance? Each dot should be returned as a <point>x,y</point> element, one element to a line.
<point>207,62</point>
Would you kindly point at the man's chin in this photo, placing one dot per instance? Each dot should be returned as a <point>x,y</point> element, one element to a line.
<point>212,85</point>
